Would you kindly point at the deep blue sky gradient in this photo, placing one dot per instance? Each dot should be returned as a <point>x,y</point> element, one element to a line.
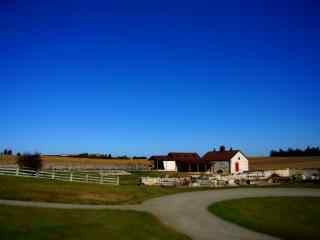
<point>149,77</point>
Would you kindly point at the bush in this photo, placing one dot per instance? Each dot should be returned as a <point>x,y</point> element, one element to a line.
<point>32,161</point>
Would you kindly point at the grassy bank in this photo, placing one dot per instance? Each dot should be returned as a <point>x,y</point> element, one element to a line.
<point>284,217</point>
<point>28,189</point>
<point>31,224</point>
<point>31,189</point>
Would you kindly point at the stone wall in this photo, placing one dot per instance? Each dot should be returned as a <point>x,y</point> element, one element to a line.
<point>219,166</point>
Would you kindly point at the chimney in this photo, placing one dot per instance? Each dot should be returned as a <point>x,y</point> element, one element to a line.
<point>222,148</point>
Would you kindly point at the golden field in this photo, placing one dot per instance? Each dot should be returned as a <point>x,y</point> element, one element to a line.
<point>270,163</point>
<point>73,162</point>
<point>255,163</point>
<point>7,160</point>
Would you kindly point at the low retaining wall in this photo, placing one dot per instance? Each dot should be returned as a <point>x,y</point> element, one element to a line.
<point>256,178</point>
<point>186,181</point>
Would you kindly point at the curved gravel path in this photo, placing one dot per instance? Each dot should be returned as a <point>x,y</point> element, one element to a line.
<point>187,212</point>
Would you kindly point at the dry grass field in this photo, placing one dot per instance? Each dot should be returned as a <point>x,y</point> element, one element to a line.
<point>256,163</point>
<point>7,160</point>
<point>270,163</point>
<point>73,162</point>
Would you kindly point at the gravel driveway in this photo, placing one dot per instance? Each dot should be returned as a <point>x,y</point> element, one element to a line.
<point>187,212</point>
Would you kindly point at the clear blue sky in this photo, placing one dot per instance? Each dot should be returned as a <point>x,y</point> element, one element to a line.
<point>149,77</point>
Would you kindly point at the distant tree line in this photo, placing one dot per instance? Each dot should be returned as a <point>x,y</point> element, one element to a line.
<point>290,152</point>
<point>87,155</point>
<point>8,152</point>
<point>92,156</point>
<point>139,157</point>
<point>102,156</point>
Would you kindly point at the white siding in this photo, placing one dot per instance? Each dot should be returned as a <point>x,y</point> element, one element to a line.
<point>170,166</point>
<point>243,163</point>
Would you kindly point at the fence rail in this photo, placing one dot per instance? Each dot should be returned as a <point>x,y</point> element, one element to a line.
<point>70,176</point>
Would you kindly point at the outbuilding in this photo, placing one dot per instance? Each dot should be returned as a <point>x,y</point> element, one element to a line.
<point>180,162</point>
<point>162,162</point>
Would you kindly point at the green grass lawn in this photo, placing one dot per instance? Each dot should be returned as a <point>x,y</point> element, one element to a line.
<point>55,224</point>
<point>30,189</point>
<point>284,217</point>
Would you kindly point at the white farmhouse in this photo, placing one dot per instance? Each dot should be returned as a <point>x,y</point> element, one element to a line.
<point>227,162</point>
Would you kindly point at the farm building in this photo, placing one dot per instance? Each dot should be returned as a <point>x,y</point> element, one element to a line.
<point>162,163</point>
<point>225,162</point>
<point>180,162</point>
<point>222,162</point>
<point>189,162</point>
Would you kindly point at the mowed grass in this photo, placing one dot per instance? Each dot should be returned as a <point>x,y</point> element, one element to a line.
<point>284,217</point>
<point>30,189</point>
<point>17,223</point>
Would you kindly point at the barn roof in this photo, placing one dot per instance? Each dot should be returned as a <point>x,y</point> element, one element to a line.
<point>159,158</point>
<point>219,155</point>
<point>184,157</point>
<point>195,158</point>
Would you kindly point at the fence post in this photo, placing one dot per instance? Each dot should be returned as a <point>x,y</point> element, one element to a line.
<point>53,174</point>
<point>87,178</point>
<point>71,176</point>
<point>118,180</point>
<point>17,171</point>
<point>101,178</point>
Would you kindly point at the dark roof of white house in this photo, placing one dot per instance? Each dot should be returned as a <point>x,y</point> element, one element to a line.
<point>219,155</point>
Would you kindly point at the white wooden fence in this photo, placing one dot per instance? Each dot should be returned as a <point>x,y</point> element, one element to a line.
<point>70,176</point>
